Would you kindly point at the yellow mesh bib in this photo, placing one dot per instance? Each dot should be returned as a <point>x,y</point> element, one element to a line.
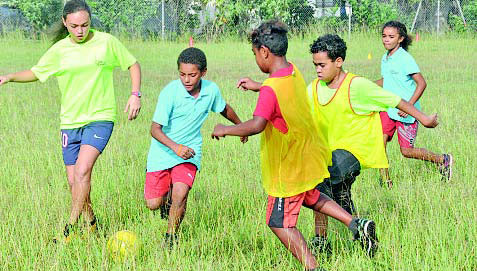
<point>295,162</point>
<point>361,135</point>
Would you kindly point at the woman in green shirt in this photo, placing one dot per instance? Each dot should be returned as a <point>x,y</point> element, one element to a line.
<point>83,60</point>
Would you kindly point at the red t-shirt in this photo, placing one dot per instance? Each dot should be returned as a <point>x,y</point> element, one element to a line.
<point>267,104</point>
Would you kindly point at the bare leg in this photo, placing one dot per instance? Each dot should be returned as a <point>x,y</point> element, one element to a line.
<point>81,187</point>
<point>384,172</point>
<point>328,207</point>
<point>180,191</point>
<point>154,204</point>
<point>321,224</point>
<point>87,213</point>
<point>296,244</point>
<point>422,154</point>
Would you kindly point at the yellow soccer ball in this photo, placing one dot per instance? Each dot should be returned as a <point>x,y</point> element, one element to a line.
<point>123,245</point>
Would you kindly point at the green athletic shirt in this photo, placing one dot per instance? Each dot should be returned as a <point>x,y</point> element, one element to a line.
<point>365,96</point>
<point>85,77</point>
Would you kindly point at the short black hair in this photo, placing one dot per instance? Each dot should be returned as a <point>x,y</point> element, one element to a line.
<point>330,43</point>
<point>402,30</point>
<point>193,55</point>
<point>273,35</point>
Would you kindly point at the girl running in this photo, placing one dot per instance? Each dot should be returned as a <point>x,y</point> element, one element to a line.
<point>401,75</point>
<point>83,60</point>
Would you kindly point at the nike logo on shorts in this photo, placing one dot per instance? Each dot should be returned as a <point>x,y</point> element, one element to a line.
<point>190,175</point>
<point>98,137</point>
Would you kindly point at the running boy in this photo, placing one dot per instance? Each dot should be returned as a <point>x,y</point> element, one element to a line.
<point>175,151</point>
<point>401,75</point>
<point>346,108</point>
<point>294,154</point>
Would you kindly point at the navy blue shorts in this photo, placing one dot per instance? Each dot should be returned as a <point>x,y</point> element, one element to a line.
<point>95,134</point>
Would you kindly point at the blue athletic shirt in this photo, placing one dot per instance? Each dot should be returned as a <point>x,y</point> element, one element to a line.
<point>181,116</point>
<point>397,71</point>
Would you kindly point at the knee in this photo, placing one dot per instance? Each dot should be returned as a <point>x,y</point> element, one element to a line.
<point>82,172</point>
<point>153,204</point>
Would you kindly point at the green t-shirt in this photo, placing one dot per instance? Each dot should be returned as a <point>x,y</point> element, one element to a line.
<point>365,96</point>
<point>85,77</point>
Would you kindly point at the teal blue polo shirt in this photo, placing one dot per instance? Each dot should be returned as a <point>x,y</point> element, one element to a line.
<point>181,116</point>
<point>397,71</point>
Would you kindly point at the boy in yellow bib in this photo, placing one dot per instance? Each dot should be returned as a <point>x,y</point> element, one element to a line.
<point>346,107</point>
<point>294,153</point>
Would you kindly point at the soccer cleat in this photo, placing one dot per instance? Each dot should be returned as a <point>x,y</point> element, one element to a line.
<point>320,244</point>
<point>364,230</point>
<point>446,167</point>
<point>67,236</point>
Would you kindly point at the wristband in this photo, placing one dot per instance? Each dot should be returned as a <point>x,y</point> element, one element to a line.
<point>137,94</point>
<point>179,149</point>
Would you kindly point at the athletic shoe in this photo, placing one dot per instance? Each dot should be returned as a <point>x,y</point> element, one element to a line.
<point>320,244</point>
<point>67,236</point>
<point>364,230</point>
<point>446,167</point>
<point>166,206</point>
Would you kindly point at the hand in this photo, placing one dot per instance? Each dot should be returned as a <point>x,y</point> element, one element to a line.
<point>402,114</point>
<point>248,84</point>
<point>219,131</point>
<point>133,106</point>
<point>184,152</point>
<point>4,80</point>
<point>244,139</point>
<point>431,121</point>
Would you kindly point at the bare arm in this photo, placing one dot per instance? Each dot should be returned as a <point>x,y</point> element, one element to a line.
<point>379,82</point>
<point>420,87</point>
<point>230,114</point>
<point>248,128</point>
<point>182,151</point>
<point>134,103</point>
<point>427,121</point>
<point>19,77</point>
<point>248,84</point>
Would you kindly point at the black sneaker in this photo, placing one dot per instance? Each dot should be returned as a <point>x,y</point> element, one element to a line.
<point>320,244</point>
<point>166,207</point>
<point>446,167</point>
<point>364,230</point>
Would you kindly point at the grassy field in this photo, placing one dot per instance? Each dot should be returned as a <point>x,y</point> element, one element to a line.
<point>423,223</point>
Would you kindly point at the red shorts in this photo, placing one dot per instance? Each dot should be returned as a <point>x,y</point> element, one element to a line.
<point>283,212</point>
<point>407,132</point>
<point>158,183</point>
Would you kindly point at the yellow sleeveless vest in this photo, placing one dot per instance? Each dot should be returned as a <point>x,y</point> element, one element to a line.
<point>297,161</point>
<point>359,134</point>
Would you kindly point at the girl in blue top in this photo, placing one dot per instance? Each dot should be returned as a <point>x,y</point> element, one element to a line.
<point>401,75</point>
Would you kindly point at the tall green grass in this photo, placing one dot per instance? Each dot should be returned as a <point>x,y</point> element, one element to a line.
<point>423,223</point>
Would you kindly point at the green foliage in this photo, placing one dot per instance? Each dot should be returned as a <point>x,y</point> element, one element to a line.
<point>41,14</point>
<point>370,14</point>
<point>127,15</point>
<point>240,16</point>
<point>470,13</point>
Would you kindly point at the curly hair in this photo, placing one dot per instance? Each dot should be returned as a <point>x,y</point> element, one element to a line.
<point>331,44</point>
<point>401,28</point>
<point>273,35</point>
<point>193,55</point>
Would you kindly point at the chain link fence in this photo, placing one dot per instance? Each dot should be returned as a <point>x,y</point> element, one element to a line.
<point>212,19</point>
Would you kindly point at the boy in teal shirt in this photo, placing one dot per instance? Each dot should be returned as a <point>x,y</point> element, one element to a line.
<point>176,144</point>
